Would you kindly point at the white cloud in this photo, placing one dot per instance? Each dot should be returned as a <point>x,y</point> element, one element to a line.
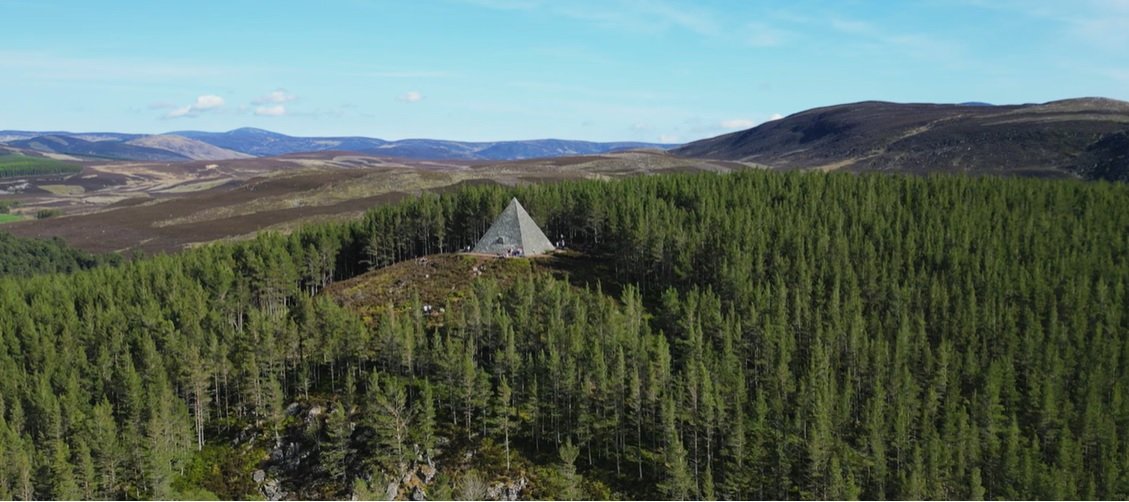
<point>203,103</point>
<point>179,112</point>
<point>737,124</point>
<point>207,102</point>
<point>669,138</point>
<point>411,97</point>
<point>775,116</point>
<point>275,96</point>
<point>271,111</point>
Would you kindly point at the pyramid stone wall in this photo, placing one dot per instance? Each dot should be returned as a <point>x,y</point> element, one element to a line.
<point>514,229</point>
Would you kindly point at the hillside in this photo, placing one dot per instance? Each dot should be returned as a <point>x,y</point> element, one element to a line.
<point>260,142</point>
<point>17,164</point>
<point>252,142</point>
<point>109,149</point>
<point>447,280</point>
<point>186,147</point>
<point>263,143</point>
<point>441,280</point>
<point>1070,138</point>
<point>167,206</point>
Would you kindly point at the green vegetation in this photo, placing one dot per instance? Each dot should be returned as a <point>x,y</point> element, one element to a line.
<point>773,336</point>
<point>5,218</point>
<point>43,214</point>
<point>13,165</point>
<point>25,257</point>
<point>7,205</point>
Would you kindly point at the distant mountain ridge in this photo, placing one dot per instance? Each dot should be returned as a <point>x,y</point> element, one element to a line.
<point>1083,137</point>
<point>187,147</point>
<point>105,149</point>
<point>248,141</point>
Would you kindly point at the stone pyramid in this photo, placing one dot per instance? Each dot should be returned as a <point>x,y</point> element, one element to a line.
<point>514,229</point>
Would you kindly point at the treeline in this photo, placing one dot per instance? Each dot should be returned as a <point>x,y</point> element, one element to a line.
<point>12,165</point>
<point>24,257</point>
<point>779,336</point>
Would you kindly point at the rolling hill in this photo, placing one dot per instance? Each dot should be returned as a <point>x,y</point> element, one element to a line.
<point>106,149</point>
<point>161,206</point>
<point>260,142</point>
<point>263,143</point>
<point>187,147</point>
<point>1071,138</point>
<point>251,142</point>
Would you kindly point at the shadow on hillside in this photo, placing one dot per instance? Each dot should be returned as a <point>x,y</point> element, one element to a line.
<point>583,270</point>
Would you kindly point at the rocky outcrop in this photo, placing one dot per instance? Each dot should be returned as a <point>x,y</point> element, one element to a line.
<point>508,490</point>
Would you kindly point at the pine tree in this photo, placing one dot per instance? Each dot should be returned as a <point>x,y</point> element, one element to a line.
<point>423,432</point>
<point>678,482</point>
<point>503,415</point>
<point>392,419</point>
<point>106,450</point>
<point>335,449</point>
<point>568,454</point>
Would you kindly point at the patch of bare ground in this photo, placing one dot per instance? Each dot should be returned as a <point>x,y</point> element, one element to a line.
<point>446,280</point>
<point>442,281</point>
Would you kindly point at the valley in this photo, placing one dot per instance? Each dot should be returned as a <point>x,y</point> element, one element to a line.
<point>151,207</point>
<point>165,205</point>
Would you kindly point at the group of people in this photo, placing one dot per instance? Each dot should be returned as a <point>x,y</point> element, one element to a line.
<point>512,252</point>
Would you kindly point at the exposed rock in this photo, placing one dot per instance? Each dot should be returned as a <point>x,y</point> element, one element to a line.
<point>258,476</point>
<point>288,455</point>
<point>506,490</point>
<point>272,490</point>
<point>392,490</point>
<point>315,411</point>
<point>246,435</point>
<point>514,490</point>
<point>418,494</point>
<point>427,472</point>
<point>293,409</point>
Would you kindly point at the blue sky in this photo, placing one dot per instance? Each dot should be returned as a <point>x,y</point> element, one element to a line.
<point>651,70</point>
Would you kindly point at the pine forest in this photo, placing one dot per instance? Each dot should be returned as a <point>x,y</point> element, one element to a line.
<point>755,335</point>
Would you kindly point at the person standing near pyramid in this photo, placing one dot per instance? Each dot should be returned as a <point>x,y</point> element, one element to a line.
<point>514,229</point>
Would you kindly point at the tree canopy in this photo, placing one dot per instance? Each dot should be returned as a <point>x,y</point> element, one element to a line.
<point>763,335</point>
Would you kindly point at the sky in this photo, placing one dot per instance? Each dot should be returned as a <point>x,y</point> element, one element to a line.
<point>483,70</point>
